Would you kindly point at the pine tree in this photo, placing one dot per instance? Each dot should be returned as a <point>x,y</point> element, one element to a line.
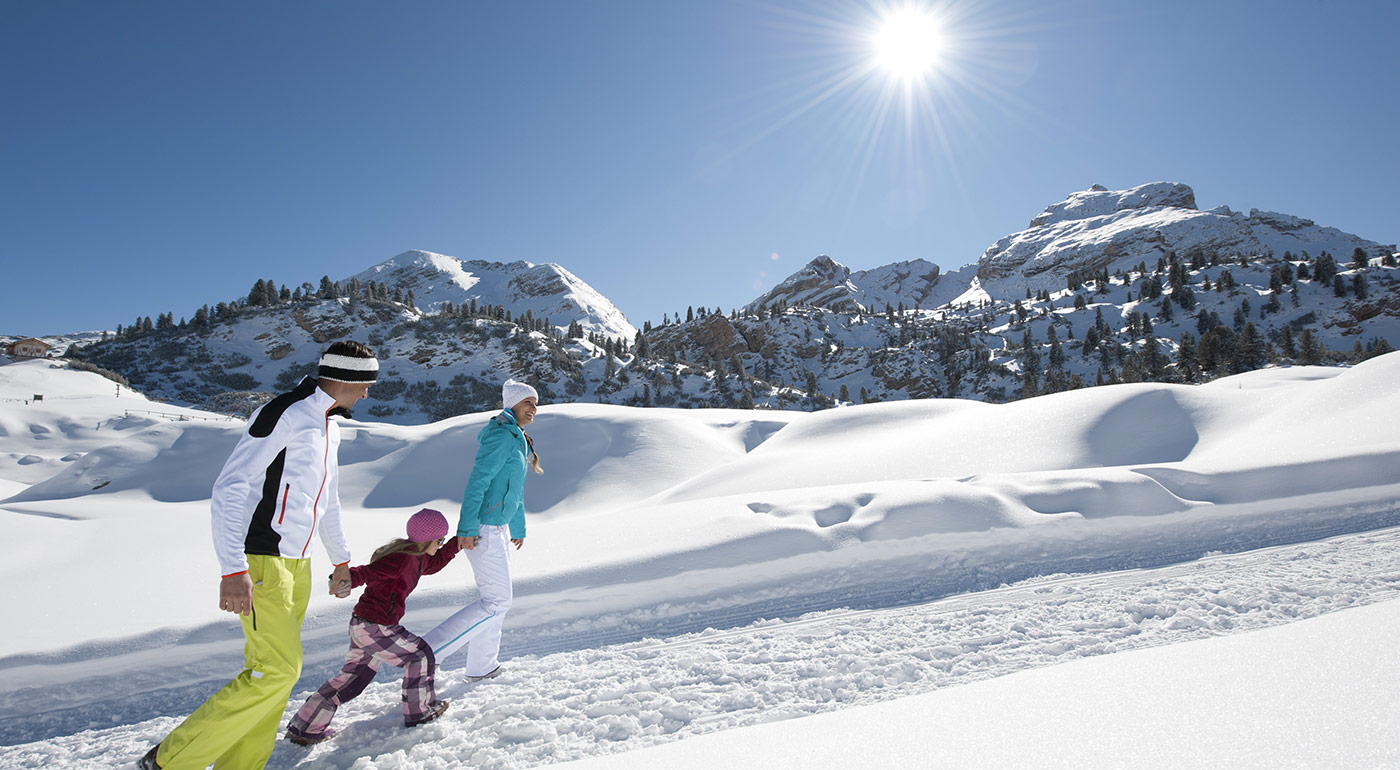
<point>1324,268</point>
<point>1359,260</point>
<point>1186,363</point>
<point>746,399</point>
<point>1250,350</point>
<point>1030,367</point>
<point>1057,353</point>
<point>1285,341</point>
<point>1309,352</point>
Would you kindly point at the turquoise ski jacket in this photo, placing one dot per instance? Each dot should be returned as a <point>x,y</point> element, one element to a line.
<point>496,490</point>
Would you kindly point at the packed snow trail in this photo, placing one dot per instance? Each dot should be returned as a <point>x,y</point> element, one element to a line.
<point>170,671</point>
<point>588,702</point>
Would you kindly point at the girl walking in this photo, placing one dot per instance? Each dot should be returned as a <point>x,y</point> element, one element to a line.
<point>376,636</point>
<point>493,503</point>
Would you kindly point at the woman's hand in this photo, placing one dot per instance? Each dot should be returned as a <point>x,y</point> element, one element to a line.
<point>517,542</point>
<point>466,543</point>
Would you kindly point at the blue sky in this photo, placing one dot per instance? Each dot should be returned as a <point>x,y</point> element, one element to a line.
<point>157,156</point>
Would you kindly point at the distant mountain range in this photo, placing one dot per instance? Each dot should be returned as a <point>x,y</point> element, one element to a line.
<point>1104,286</point>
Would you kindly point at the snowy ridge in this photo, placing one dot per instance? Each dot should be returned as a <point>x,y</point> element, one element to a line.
<point>826,283</point>
<point>1100,228</point>
<point>1099,201</point>
<point>547,291</point>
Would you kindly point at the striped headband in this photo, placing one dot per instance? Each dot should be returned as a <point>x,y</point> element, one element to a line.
<point>338,368</point>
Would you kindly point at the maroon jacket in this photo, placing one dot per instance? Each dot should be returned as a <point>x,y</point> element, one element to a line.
<point>391,579</point>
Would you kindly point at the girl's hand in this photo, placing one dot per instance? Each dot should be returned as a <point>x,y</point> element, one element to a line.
<point>517,542</point>
<point>466,543</point>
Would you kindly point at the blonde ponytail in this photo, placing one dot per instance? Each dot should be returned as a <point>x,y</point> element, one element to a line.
<point>534,456</point>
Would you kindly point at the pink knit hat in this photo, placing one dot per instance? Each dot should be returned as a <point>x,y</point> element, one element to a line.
<point>427,525</point>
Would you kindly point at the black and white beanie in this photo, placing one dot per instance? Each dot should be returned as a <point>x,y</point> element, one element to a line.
<point>338,368</point>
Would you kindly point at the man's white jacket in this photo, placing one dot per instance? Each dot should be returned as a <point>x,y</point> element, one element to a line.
<point>279,486</point>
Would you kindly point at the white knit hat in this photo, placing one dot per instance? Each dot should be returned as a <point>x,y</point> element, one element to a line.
<point>514,392</point>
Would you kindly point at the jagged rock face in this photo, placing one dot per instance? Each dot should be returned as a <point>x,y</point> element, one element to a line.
<point>537,283</point>
<point>1100,228</point>
<point>826,283</point>
<point>823,282</point>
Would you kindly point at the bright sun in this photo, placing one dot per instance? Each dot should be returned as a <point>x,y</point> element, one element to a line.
<point>908,44</point>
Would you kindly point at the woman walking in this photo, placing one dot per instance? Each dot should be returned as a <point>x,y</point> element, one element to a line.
<point>376,636</point>
<point>493,519</point>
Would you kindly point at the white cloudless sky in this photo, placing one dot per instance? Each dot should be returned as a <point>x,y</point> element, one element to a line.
<point>670,154</point>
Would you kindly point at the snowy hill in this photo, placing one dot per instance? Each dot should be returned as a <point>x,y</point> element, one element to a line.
<point>849,557</point>
<point>546,291</point>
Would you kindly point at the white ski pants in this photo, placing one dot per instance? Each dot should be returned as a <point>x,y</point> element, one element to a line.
<point>477,626</point>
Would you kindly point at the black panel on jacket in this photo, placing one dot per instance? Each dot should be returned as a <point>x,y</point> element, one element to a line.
<point>272,412</point>
<point>262,538</point>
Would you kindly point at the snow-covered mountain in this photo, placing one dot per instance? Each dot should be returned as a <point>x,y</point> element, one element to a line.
<point>824,282</point>
<point>1116,229</point>
<point>1105,286</point>
<point>547,291</point>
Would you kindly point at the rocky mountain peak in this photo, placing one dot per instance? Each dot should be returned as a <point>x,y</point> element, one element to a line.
<point>826,283</point>
<point>1099,201</point>
<point>1101,229</point>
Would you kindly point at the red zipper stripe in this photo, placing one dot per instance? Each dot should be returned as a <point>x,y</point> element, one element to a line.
<point>325,471</point>
<point>285,492</point>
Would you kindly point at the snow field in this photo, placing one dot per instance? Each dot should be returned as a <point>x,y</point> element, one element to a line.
<point>599,701</point>
<point>692,572</point>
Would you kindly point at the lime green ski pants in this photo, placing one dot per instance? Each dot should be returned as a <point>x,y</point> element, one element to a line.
<point>236,728</point>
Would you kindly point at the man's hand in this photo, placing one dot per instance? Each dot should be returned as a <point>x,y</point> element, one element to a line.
<point>236,594</point>
<point>340,581</point>
<point>517,542</point>
<point>466,543</point>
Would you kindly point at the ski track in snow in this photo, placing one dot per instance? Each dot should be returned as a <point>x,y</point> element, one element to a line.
<point>556,707</point>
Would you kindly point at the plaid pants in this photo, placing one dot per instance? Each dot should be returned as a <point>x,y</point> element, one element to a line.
<point>370,645</point>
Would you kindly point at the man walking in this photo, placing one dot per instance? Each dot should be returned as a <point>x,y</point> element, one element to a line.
<point>276,491</point>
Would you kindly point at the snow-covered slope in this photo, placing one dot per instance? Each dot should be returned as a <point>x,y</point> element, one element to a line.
<point>548,290</point>
<point>650,526</point>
